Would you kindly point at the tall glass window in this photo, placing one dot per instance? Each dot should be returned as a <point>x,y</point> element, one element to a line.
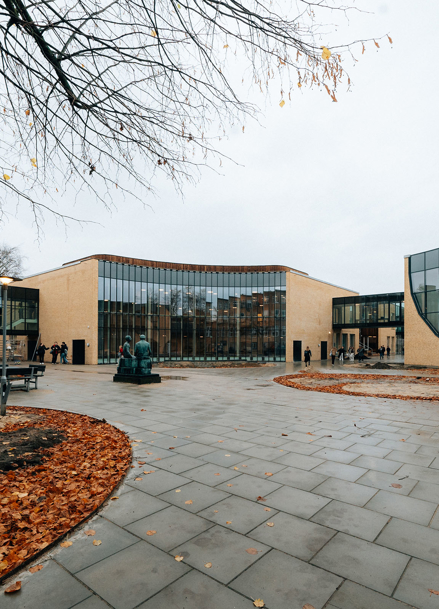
<point>424,285</point>
<point>188,315</point>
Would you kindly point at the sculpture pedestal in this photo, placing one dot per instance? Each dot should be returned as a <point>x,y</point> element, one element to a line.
<point>128,371</point>
<point>137,379</point>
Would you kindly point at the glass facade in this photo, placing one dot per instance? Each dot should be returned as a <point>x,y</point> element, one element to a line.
<point>22,311</point>
<point>374,310</point>
<point>424,286</point>
<point>192,315</point>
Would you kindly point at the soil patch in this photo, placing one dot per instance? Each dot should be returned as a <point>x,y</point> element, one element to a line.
<point>20,448</point>
<point>374,385</point>
<point>70,479</point>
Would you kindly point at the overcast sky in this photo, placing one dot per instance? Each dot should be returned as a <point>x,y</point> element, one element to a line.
<point>341,190</point>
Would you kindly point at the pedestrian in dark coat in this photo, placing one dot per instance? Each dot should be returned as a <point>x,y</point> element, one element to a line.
<point>307,355</point>
<point>54,350</point>
<point>41,351</point>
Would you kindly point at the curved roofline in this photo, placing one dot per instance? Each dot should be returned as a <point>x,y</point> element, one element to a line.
<point>177,266</point>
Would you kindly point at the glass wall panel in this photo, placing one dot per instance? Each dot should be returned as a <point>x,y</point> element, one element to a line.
<point>425,286</point>
<point>192,315</point>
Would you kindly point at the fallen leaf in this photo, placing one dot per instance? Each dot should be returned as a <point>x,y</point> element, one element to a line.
<point>141,462</point>
<point>227,455</point>
<point>137,479</point>
<point>217,474</point>
<point>97,542</point>
<point>158,459</point>
<point>268,474</point>
<point>244,465</point>
<point>189,502</point>
<point>172,448</point>
<point>230,485</point>
<point>14,588</point>
<point>396,485</point>
<point>270,524</point>
<point>433,592</point>
<point>284,434</point>
<point>308,433</point>
<point>267,509</point>
<point>259,603</point>
<point>228,522</point>
<point>114,498</point>
<point>151,471</point>
<point>215,511</point>
<point>402,440</point>
<point>90,532</point>
<point>178,490</point>
<point>36,568</point>
<point>237,468</point>
<point>179,558</point>
<point>259,498</point>
<point>252,551</point>
<point>66,544</point>
<point>308,606</point>
<point>151,533</point>
<point>208,565</point>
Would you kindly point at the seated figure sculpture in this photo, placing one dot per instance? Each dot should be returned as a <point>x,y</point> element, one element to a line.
<point>143,354</point>
<point>127,363</point>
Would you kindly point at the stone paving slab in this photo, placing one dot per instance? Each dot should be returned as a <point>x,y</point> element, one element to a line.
<point>351,519</point>
<point>133,575</point>
<point>332,469</point>
<point>135,505</point>
<point>157,483</point>
<point>173,526</point>
<point>380,465</point>
<point>412,539</point>
<point>211,474</point>
<point>348,492</point>
<point>406,508</point>
<point>224,550</point>
<point>196,590</point>
<point>299,478</point>
<point>353,596</point>
<point>237,514</point>
<point>249,487</point>
<point>363,562</point>
<point>297,502</point>
<point>284,582</point>
<point>418,579</point>
<point>194,496</point>
<point>292,535</point>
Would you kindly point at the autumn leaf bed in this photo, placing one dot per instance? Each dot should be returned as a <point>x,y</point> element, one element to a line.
<point>370,385</point>
<point>56,470</point>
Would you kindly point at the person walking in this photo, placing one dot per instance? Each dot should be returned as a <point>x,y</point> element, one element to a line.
<point>341,353</point>
<point>333,353</point>
<point>381,352</point>
<point>63,353</point>
<point>388,351</point>
<point>41,351</point>
<point>361,355</point>
<point>307,354</point>
<point>54,350</point>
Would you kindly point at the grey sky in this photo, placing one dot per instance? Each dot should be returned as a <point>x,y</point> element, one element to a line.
<point>339,190</point>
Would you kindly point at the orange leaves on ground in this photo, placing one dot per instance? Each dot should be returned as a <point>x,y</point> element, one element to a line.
<point>90,532</point>
<point>252,551</point>
<point>179,558</point>
<point>267,509</point>
<point>208,565</point>
<point>151,533</point>
<point>433,592</point>
<point>45,501</point>
<point>395,485</point>
<point>259,603</point>
<point>14,588</point>
<point>189,502</point>
<point>308,606</point>
<point>270,524</point>
<point>36,568</point>
<point>138,479</point>
<point>97,542</point>
<point>230,485</point>
<point>217,474</point>
<point>259,498</point>
<point>228,522</point>
<point>268,474</point>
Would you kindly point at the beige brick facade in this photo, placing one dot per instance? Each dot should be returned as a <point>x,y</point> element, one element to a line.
<point>309,313</point>
<point>421,345</point>
<point>69,306</point>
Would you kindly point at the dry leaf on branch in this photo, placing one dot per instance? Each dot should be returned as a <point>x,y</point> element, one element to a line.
<point>259,603</point>
<point>97,542</point>
<point>14,588</point>
<point>36,568</point>
<point>252,551</point>
<point>90,532</point>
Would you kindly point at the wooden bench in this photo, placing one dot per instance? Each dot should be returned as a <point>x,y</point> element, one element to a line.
<point>20,378</point>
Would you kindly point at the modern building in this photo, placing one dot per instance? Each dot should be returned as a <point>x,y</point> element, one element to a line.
<point>218,313</point>
<point>187,312</point>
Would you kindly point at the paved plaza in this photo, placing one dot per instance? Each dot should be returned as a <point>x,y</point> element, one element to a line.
<point>266,492</point>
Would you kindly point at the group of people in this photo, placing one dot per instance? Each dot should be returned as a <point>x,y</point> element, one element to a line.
<point>383,350</point>
<point>342,354</point>
<point>55,350</point>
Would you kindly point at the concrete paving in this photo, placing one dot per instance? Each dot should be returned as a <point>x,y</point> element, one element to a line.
<point>266,492</point>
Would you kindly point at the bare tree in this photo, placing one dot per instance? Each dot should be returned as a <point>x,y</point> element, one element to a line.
<point>101,94</point>
<point>11,261</point>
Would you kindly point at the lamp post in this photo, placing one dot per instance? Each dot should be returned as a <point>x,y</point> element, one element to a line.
<point>5,280</point>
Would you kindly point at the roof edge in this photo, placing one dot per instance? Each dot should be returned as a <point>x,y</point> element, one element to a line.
<point>177,266</point>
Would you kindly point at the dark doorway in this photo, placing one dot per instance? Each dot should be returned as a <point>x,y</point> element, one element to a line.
<point>297,350</point>
<point>324,350</point>
<point>78,352</point>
